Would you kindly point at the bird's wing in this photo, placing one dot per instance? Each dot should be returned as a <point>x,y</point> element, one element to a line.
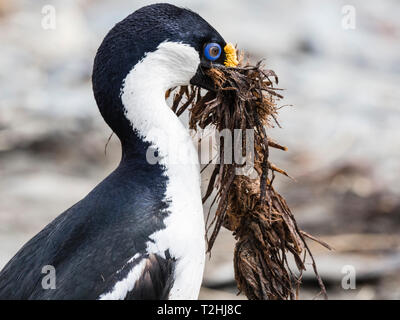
<point>97,246</point>
<point>148,278</point>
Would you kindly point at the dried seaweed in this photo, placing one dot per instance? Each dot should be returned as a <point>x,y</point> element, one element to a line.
<point>259,217</point>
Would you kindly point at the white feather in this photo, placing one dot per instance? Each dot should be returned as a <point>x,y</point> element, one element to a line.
<point>121,288</point>
<point>143,96</point>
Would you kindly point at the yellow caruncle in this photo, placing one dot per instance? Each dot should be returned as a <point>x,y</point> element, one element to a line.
<point>231,56</point>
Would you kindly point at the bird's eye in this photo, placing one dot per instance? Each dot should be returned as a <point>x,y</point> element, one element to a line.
<point>212,51</point>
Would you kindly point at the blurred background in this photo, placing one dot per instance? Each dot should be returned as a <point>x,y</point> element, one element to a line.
<point>339,64</point>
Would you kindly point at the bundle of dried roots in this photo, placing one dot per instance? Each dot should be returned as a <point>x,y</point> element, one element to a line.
<point>265,228</point>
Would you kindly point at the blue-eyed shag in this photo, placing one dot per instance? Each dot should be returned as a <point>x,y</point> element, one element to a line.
<point>139,234</point>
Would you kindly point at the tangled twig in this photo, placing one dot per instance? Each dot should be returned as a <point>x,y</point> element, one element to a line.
<point>259,217</point>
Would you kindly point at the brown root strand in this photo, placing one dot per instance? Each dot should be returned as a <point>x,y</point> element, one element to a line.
<point>264,226</point>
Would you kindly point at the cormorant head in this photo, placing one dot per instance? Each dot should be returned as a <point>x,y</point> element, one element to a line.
<point>161,46</point>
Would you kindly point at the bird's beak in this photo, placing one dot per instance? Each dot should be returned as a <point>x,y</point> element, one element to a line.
<point>201,79</point>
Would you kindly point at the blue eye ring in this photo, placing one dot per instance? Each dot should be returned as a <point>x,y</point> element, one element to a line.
<point>212,51</point>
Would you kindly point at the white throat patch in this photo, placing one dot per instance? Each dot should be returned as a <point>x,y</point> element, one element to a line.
<point>143,96</point>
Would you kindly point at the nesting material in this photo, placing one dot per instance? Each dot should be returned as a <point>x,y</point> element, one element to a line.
<point>259,217</point>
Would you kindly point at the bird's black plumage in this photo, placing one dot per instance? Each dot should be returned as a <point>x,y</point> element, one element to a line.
<point>92,244</point>
<point>156,279</point>
<point>91,241</point>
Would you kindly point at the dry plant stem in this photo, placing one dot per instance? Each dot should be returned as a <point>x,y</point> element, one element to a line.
<point>259,217</point>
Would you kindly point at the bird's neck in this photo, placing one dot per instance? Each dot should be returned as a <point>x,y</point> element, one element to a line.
<point>158,126</point>
<point>143,100</point>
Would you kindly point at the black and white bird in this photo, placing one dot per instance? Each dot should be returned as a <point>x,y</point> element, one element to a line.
<point>139,234</point>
